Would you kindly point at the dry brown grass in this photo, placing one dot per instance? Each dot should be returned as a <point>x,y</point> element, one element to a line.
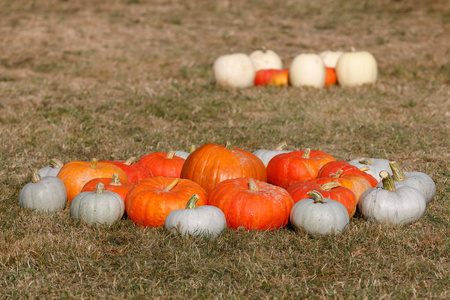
<point>111,79</point>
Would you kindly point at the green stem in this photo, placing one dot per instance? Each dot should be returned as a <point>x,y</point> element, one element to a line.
<point>388,182</point>
<point>94,162</point>
<point>192,203</point>
<point>35,177</point>
<point>100,188</point>
<point>306,153</point>
<point>338,174</point>
<point>396,171</point>
<point>228,145</point>
<point>366,161</point>
<point>56,163</point>
<point>330,185</point>
<point>318,198</point>
<point>192,148</point>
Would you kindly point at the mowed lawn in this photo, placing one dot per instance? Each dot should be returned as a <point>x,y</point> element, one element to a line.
<point>114,79</point>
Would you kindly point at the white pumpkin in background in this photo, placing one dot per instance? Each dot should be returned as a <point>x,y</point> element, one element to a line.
<point>266,155</point>
<point>330,58</point>
<point>307,70</point>
<point>356,68</point>
<point>372,166</point>
<point>234,71</point>
<point>46,194</point>
<point>52,169</point>
<point>184,154</point>
<point>97,207</point>
<point>266,59</point>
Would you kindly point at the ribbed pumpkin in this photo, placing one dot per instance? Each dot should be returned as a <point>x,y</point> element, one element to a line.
<point>331,168</point>
<point>76,174</point>
<point>252,204</point>
<point>150,201</point>
<point>355,182</point>
<point>331,190</point>
<point>163,164</point>
<point>285,169</point>
<point>211,164</point>
<point>135,172</point>
<point>113,184</point>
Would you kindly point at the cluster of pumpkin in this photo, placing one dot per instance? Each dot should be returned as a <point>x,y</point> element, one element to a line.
<point>264,67</point>
<point>218,186</point>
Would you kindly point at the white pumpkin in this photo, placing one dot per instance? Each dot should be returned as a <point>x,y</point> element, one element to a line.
<point>372,166</point>
<point>307,70</point>
<point>184,154</point>
<point>388,204</point>
<point>266,155</point>
<point>266,59</point>
<point>319,215</point>
<point>52,169</point>
<point>356,68</point>
<point>97,207</point>
<point>234,71</point>
<point>419,180</point>
<point>205,220</point>
<point>46,194</point>
<point>330,58</point>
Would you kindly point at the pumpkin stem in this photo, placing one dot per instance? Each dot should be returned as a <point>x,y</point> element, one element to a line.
<point>388,181</point>
<point>338,174</point>
<point>306,153</point>
<point>192,149</point>
<point>115,180</point>
<point>170,154</point>
<point>171,185</point>
<point>129,161</point>
<point>280,146</point>
<point>330,185</point>
<point>252,185</point>
<point>35,177</point>
<point>364,169</point>
<point>228,145</point>
<point>366,161</point>
<point>94,162</point>
<point>318,198</point>
<point>396,171</point>
<point>99,188</point>
<point>192,203</point>
<point>56,163</point>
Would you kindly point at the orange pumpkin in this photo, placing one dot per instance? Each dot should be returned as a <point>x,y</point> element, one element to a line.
<point>280,78</point>
<point>287,168</point>
<point>135,172</point>
<point>331,168</point>
<point>252,204</point>
<point>211,164</point>
<point>150,201</point>
<point>76,174</point>
<point>114,184</point>
<point>162,164</point>
<point>330,77</point>
<point>331,190</point>
<point>355,182</point>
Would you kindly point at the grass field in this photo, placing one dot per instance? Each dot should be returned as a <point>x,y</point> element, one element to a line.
<point>112,79</point>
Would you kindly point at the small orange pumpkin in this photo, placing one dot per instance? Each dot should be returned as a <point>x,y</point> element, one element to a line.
<point>162,164</point>
<point>114,184</point>
<point>150,201</point>
<point>76,174</point>
<point>330,77</point>
<point>252,204</point>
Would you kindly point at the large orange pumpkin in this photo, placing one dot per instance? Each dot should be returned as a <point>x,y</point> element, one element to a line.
<point>163,164</point>
<point>211,164</point>
<point>150,201</point>
<point>252,204</point>
<point>287,168</point>
<point>76,174</point>
<point>332,190</point>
